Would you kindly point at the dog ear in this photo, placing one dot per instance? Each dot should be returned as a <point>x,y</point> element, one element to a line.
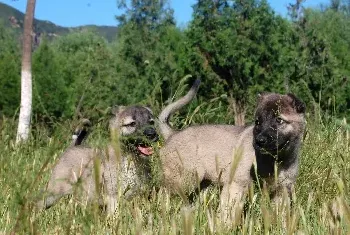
<point>261,96</point>
<point>117,109</point>
<point>298,104</point>
<point>149,109</point>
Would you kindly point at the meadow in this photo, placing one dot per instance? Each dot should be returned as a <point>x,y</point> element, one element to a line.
<point>320,201</point>
<point>238,49</point>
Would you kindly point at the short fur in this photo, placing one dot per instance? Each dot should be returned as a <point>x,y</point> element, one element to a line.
<point>135,126</point>
<point>165,130</point>
<point>225,154</point>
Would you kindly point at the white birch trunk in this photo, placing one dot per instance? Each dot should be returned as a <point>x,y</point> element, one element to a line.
<point>26,76</point>
<point>26,106</point>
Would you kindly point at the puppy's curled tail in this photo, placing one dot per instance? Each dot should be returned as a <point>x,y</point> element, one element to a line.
<point>81,132</point>
<point>164,116</point>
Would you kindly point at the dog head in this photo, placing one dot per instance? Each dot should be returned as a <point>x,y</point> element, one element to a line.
<point>136,127</point>
<point>279,123</point>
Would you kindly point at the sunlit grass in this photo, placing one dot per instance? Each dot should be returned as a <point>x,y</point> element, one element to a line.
<point>320,203</point>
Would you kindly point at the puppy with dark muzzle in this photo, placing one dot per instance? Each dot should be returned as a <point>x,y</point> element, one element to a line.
<point>226,154</point>
<point>123,165</point>
<point>277,133</point>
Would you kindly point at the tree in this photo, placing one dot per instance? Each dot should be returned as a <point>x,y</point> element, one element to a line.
<point>335,5</point>
<point>26,76</point>
<point>314,75</point>
<point>239,43</point>
<point>50,93</point>
<point>9,72</point>
<point>145,56</point>
<point>88,73</point>
<point>332,29</point>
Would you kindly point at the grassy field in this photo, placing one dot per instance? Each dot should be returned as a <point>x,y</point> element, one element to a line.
<point>323,183</point>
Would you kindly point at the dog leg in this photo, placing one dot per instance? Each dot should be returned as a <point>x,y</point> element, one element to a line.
<point>231,203</point>
<point>50,198</point>
<point>111,204</point>
<point>48,201</point>
<point>282,201</point>
<point>282,191</point>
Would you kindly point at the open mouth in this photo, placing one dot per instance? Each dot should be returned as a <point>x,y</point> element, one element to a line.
<point>141,145</point>
<point>145,150</point>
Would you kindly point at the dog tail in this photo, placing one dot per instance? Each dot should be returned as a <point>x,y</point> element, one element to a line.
<point>81,132</point>
<point>164,116</point>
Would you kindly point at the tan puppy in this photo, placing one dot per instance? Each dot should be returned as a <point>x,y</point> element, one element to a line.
<point>101,173</point>
<point>225,154</point>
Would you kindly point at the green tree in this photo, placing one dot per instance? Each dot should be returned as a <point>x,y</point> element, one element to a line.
<point>239,44</point>
<point>50,93</point>
<point>314,75</point>
<point>9,72</point>
<point>146,50</point>
<point>333,26</point>
<point>88,72</point>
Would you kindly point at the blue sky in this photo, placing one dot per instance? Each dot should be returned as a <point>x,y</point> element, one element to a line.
<point>102,12</point>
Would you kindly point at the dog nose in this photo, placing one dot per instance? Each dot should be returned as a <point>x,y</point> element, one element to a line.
<point>151,134</point>
<point>261,140</point>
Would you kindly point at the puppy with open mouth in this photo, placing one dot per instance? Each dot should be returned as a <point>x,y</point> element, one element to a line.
<point>123,165</point>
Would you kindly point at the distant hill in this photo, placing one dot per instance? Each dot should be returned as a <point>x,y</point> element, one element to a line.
<point>14,18</point>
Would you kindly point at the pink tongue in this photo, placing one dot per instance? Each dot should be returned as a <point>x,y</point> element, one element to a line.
<point>145,150</point>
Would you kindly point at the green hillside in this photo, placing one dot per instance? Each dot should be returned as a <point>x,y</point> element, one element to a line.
<point>14,18</point>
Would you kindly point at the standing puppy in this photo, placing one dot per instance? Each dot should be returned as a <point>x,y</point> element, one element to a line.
<point>99,171</point>
<point>225,154</point>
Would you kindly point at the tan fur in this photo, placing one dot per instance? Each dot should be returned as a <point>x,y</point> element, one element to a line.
<point>225,154</point>
<point>163,119</point>
<point>126,171</point>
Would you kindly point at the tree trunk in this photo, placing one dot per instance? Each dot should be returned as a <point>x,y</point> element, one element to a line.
<point>239,111</point>
<point>26,75</point>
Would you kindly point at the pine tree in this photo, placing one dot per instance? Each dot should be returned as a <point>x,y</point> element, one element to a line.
<point>315,76</point>
<point>239,42</point>
<point>145,56</point>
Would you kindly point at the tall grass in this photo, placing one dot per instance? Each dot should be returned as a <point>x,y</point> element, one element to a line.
<point>320,203</point>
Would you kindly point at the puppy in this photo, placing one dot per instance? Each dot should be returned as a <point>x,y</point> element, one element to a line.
<point>123,165</point>
<point>226,154</point>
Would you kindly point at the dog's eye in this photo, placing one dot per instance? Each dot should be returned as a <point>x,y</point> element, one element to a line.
<point>280,120</point>
<point>131,124</point>
<point>257,122</point>
<point>151,122</point>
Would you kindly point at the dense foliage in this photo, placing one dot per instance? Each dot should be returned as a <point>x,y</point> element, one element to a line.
<point>237,49</point>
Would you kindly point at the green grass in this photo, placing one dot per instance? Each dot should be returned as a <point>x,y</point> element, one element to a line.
<point>323,181</point>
